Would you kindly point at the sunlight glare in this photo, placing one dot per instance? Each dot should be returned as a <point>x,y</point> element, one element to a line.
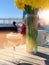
<point>44,14</point>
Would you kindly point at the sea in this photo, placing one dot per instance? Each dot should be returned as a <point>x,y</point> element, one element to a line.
<point>7,23</point>
<point>46,27</point>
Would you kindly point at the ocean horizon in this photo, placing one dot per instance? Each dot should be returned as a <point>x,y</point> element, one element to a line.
<point>9,22</point>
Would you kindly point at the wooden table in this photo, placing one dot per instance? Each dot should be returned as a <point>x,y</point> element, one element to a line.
<point>10,55</point>
<point>41,58</point>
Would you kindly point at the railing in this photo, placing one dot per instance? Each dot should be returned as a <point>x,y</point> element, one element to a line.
<point>4,21</point>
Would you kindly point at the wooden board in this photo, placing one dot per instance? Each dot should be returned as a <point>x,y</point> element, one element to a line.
<point>20,53</point>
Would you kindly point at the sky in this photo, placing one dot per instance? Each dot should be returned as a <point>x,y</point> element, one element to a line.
<point>9,10</point>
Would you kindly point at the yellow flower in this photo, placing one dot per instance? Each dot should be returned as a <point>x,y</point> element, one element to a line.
<point>19,4</point>
<point>35,3</point>
<point>43,4</point>
<point>27,2</point>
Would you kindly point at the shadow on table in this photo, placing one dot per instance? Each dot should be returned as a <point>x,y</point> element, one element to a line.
<point>46,62</point>
<point>43,56</point>
<point>18,63</point>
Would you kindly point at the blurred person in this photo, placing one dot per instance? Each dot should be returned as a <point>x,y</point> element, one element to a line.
<point>40,25</point>
<point>23,31</point>
<point>16,28</point>
<point>23,27</point>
